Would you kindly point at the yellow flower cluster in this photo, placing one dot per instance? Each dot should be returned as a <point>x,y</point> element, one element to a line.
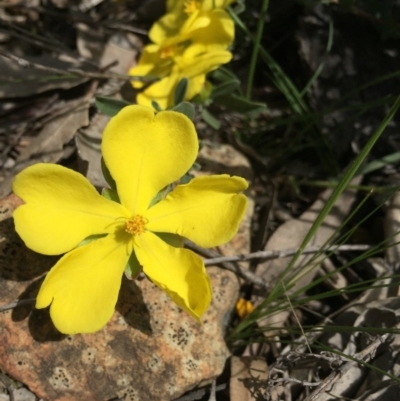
<point>189,41</point>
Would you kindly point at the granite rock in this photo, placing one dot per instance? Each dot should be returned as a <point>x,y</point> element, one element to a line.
<point>150,350</point>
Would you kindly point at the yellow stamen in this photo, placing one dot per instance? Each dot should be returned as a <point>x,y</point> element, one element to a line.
<point>168,52</point>
<point>190,6</point>
<point>136,225</point>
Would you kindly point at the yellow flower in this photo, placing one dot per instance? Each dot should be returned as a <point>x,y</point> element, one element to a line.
<point>171,65</point>
<point>189,41</point>
<point>144,153</point>
<point>244,307</point>
<point>178,20</point>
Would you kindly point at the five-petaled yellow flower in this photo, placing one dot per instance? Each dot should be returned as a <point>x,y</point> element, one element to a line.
<point>144,153</point>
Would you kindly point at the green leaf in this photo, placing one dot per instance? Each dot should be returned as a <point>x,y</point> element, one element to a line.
<point>91,238</point>
<point>133,267</point>
<point>240,104</point>
<point>186,179</point>
<point>240,6</point>
<point>226,88</point>
<point>379,163</point>
<point>224,75</point>
<point>107,175</point>
<point>185,108</point>
<point>180,91</point>
<point>203,98</point>
<point>109,106</point>
<point>196,166</point>
<point>156,106</point>
<point>161,195</point>
<point>210,119</point>
<point>110,194</point>
<point>174,240</point>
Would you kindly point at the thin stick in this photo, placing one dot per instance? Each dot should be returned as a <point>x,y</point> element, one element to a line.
<point>87,74</point>
<point>14,304</point>
<point>77,18</point>
<point>244,273</point>
<point>268,255</point>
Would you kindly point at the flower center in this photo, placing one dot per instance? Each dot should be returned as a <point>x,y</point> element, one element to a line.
<point>168,52</point>
<point>190,6</point>
<point>136,225</point>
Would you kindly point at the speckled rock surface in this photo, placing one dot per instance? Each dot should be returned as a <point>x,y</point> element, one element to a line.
<point>150,350</point>
<point>223,159</point>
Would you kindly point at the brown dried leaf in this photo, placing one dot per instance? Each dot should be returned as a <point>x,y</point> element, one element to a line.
<point>19,81</point>
<point>47,146</point>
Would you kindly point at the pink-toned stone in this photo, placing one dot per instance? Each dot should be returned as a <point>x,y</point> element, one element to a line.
<point>223,159</point>
<point>150,350</point>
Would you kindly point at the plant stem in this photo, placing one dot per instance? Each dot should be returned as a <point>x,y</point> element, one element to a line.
<point>256,47</point>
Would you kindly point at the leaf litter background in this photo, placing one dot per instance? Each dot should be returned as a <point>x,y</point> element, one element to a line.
<point>331,335</point>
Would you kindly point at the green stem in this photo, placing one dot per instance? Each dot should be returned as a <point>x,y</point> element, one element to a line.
<point>256,47</point>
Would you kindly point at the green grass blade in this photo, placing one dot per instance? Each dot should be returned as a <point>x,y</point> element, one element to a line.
<point>256,48</point>
<point>278,291</point>
<point>294,98</point>
<point>345,181</point>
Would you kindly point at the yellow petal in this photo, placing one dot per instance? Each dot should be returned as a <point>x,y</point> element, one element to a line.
<point>177,271</point>
<point>175,22</point>
<point>214,29</point>
<point>174,6</point>
<point>212,4</point>
<point>207,211</point>
<point>83,286</point>
<point>61,209</point>
<point>192,65</point>
<point>166,27</point>
<point>144,152</point>
<point>151,63</point>
<point>162,92</point>
<point>195,86</point>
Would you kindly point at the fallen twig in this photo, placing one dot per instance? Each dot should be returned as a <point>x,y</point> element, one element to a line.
<point>290,379</point>
<point>213,258</point>
<point>244,273</point>
<point>14,304</point>
<point>74,71</point>
<point>268,255</point>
